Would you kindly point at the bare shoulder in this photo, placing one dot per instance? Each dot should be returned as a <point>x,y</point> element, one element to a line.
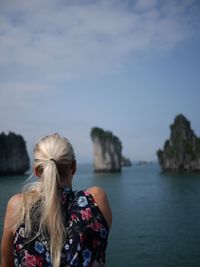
<point>14,201</point>
<point>99,195</point>
<point>101,199</point>
<point>7,237</point>
<point>96,191</point>
<point>13,204</point>
<point>15,198</point>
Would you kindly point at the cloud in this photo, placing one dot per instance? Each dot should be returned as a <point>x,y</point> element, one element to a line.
<point>63,40</point>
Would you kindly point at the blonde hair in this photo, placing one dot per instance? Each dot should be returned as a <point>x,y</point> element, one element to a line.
<point>53,157</point>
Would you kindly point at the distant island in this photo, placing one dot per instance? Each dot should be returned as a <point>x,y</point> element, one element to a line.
<point>144,162</point>
<point>181,153</point>
<point>107,151</point>
<point>125,162</point>
<point>14,158</point>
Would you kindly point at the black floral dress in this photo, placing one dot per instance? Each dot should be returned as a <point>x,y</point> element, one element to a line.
<point>85,237</point>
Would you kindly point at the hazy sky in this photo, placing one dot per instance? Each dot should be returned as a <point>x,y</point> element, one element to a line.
<point>126,66</point>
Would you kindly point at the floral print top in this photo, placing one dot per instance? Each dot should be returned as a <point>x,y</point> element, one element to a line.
<point>86,234</point>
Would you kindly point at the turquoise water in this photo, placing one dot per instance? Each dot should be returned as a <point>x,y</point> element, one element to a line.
<point>156,217</point>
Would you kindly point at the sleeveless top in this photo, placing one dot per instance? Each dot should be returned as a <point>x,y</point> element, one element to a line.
<point>85,239</point>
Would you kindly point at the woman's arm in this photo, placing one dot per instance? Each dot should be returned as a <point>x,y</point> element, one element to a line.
<point>100,197</point>
<point>7,259</point>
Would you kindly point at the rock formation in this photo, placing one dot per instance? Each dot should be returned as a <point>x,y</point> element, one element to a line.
<point>125,162</point>
<point>181,153</point>
<point>13,154</point>
<point>144,162</point>
<point>107,151</point>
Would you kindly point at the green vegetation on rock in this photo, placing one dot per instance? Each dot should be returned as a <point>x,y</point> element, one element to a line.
<point>107,150</point>
<point>13,154</point>
<point>182,151</point>
<point>101,134</point>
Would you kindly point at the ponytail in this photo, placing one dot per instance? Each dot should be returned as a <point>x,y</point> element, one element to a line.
<point>51,211</point>
<point>52,155</point>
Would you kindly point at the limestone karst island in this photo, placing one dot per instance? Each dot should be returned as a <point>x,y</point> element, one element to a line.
<point>181,152</point>
<point>107,151</point>
<point>14,158</point>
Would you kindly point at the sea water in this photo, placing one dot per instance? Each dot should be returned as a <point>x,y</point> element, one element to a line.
<point>156,217</point>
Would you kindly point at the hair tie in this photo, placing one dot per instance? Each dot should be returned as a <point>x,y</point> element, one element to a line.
<point>53,160</point>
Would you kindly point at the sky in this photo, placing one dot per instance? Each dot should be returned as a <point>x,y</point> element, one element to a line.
<point>126,66</point>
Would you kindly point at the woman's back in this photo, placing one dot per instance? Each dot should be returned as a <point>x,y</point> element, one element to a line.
<point>85,237</point>
<point>51,226</point>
